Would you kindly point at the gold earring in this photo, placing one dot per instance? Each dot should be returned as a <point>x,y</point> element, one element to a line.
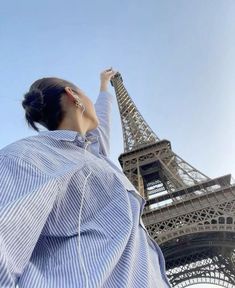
<point>78,103</point>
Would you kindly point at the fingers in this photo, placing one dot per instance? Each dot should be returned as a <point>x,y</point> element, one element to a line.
<point>107,75</point>
<point>110,71</point>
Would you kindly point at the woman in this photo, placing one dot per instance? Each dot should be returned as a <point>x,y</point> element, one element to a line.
<point>69,217</point>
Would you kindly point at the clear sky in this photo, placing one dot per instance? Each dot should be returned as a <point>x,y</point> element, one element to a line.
<point>177,59</point>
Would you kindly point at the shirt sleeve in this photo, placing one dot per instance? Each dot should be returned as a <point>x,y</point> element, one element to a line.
<point>27,196</point>
<point>103,106</point>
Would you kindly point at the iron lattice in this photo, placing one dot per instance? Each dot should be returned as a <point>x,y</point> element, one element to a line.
<point>191,216</point>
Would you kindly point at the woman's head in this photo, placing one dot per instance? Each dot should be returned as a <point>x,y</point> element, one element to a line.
<point>58,104</point>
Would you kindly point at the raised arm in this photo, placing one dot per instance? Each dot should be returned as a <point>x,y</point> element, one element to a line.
<point>103,106</point>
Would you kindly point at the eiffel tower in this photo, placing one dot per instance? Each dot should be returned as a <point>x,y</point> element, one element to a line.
<point>191,216</point>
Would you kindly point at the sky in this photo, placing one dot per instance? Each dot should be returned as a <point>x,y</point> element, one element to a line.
<point>177,60</point>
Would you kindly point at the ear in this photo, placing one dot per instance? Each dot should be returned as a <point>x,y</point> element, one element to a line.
<point>70,94</point>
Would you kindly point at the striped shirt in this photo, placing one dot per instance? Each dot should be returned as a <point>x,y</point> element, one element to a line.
<point>69,217</point>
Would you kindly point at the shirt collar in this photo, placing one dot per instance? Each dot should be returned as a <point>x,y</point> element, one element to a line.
<point>69,135</point>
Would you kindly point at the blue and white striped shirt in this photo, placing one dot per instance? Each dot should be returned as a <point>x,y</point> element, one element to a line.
<point>69,217</point>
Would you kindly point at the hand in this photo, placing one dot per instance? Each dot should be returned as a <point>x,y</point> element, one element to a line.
<point>105,77</point>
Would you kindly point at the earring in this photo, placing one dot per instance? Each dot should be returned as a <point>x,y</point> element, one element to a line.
<point>78,103</point>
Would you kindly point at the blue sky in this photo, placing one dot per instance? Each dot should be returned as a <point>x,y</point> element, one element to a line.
<point>177,59</point>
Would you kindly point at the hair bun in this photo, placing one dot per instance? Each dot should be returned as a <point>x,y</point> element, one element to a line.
<point>33,104</point>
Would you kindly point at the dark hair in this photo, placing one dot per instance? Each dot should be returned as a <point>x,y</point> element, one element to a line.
<point>42,103</point>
